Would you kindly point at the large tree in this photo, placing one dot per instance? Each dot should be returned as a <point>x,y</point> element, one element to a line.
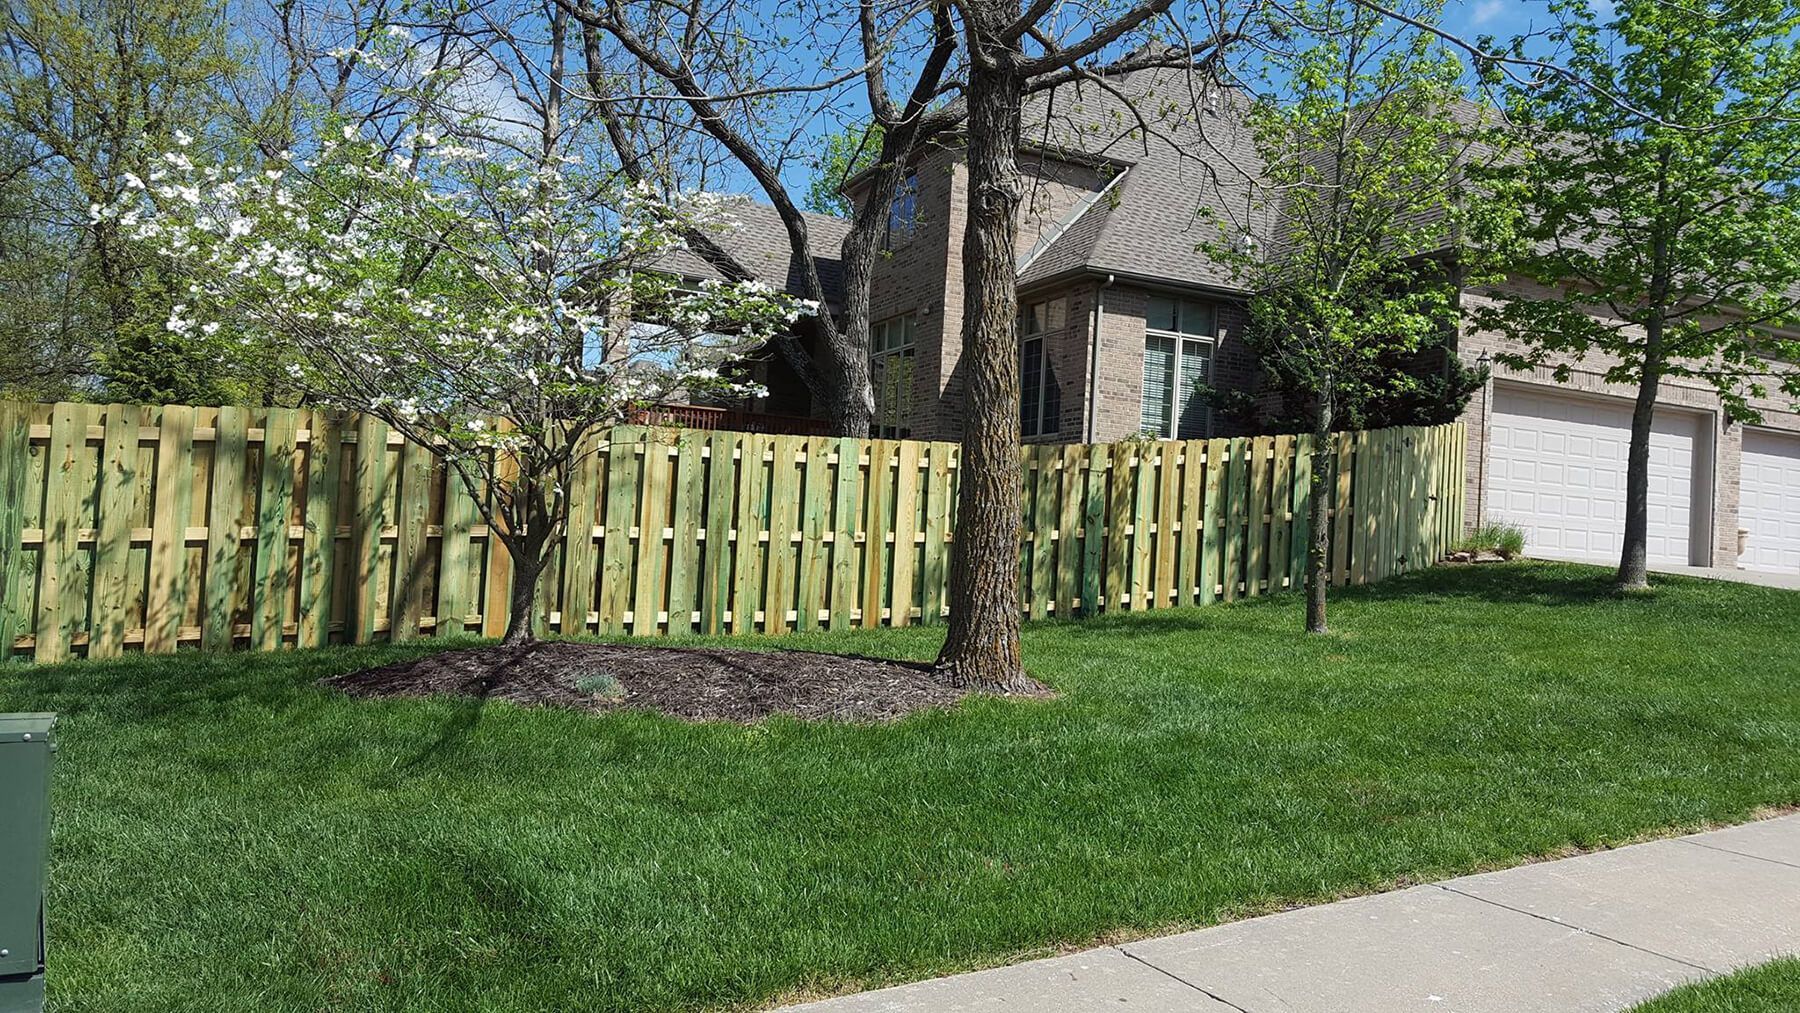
<point>1661,197</point>
<point>1013,51</point>
<point>1361,268</point>
<point>92,89</point>
<point>739,78</point>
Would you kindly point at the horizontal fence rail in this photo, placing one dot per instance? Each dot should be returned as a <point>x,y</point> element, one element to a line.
<point>146,528</point>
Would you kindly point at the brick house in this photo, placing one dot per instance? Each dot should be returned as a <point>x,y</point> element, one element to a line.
<point>1120,312</point>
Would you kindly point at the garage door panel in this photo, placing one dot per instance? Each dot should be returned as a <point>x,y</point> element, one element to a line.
<point>1557,468</point>
<point>1769,501</point>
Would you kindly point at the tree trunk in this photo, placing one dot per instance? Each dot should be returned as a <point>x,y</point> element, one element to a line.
<point>1318,551</point>
<point>1634,562</point>
<point>851,407</point>
<point>982,648</point>
<point>521,602</point>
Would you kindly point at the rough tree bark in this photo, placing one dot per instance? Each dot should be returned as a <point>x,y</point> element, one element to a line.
<point>1318,551</point>
<point>1634,559</point>
<point>982,648</point>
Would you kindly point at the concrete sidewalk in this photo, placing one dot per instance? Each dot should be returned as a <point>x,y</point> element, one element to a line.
<point>1597,933</point>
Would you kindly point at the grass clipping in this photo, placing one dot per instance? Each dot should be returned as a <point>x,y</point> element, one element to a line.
<point>695,683</point>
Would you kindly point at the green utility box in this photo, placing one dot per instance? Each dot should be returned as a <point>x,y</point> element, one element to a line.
<point>26,748</point>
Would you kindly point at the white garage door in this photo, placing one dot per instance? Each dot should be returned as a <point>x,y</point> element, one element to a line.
<point>1769,501</point>
<point>1556,467</point>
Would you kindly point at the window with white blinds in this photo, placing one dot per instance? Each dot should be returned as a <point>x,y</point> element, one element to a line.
<point>1178,348</point>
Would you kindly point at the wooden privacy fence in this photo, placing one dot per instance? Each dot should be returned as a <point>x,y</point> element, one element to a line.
<point>128,527</point>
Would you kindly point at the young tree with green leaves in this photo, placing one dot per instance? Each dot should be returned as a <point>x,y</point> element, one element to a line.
<point>1660,194</point>
<point>1366,214</point>
<point>847,153</point>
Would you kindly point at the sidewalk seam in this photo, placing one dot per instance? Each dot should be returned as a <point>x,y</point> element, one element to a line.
<point>1178,978</point>
<point>1576,928</point>
<point>1740,854</point>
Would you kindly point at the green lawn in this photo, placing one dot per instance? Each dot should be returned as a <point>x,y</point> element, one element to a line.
<point>230,837</point>
<point>1770,988</point>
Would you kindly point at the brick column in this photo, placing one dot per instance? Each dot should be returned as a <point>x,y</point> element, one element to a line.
<point>1728,458</point>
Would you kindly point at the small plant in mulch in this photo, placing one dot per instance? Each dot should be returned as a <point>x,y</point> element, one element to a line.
<point>602,685</point>
<point>1491,542</point>
<point>696,683</point>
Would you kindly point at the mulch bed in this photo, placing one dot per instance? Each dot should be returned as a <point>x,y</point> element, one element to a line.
<point>697,683</point>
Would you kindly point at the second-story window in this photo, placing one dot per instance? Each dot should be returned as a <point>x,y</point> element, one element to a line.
<point>903,212</point>
<point>891,355</point>
<point>1178,351</point>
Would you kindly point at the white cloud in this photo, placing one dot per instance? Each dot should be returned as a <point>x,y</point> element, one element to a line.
<point>1486,11</point>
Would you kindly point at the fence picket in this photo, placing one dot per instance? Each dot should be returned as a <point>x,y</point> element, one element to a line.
<point>166,601</point>
<point>15,457</point>
<point>318,558</point>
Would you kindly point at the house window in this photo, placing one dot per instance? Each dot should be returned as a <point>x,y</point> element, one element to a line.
<point>1040,400</point>
<point>891,355</point>
<point>903,212</point>
<point>1178,350</point>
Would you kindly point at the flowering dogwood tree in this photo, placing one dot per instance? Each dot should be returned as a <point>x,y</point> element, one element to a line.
<point>495,308</point>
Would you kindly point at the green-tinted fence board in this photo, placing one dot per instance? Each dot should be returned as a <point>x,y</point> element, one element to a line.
<point>1168,523</point>
<point>845,525</point>
<point>1237,511</point>
<point>935,576</point>
<point>1070,497</point>
<point>456,574</point>
<point>1119,487</point>
<point>273,577</point>
<point>318,559</point>
<point>15,455</point>
<point>622,484</point>
<point>224,527</point>
<point>878,529</point>
<point>814,564</point>
<point>1192,499</point>
<point>112,535</point>
<point>752,524</point>
<point>906,535</point>
<point>721,486</point>
<point>1300,538</point>
<point>1256,557</point>
<point>1093,529</point>
<point>166,600</point>
<point>686,574</point>
<point>580,559</point>
<point>1281,521</point>
<point>371,518</point>
<point>410,557</point>
<point>1212,522</point>
<point>784,521</point>
<point>652,543</point>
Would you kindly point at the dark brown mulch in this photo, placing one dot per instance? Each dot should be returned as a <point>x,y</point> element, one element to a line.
<point>697,683</point>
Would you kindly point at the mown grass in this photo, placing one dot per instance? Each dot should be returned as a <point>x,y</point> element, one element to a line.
<point>228,836</point>
<point>1769,988</point>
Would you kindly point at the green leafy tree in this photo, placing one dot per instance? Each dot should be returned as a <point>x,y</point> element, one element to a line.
<point>847,152</point>
<point>92,89</point>
<point>1659,194</point>
<point>1363,145</point>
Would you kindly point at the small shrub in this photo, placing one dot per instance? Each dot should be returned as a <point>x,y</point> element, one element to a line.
<point>1504,540</point>
<point>599,684</point>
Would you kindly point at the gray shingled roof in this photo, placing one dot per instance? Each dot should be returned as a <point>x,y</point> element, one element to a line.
<point>1188,176</point>
<point>755,237</point>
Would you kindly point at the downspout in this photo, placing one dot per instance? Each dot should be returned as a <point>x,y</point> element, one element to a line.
<point>1093,391</point>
